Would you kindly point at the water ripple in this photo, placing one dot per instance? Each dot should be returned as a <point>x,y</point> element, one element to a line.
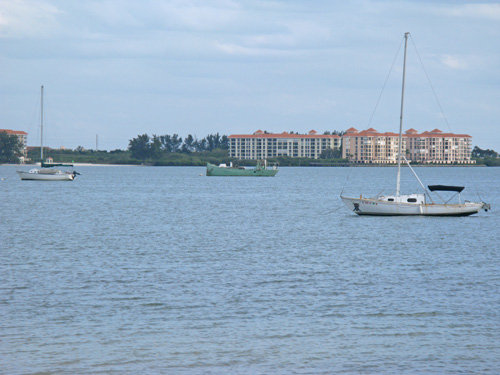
<point>159,270</point>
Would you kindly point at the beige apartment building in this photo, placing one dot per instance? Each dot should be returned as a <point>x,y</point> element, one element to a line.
<point>370,146</point>
<point>22,136</point>
<point>262,145</point>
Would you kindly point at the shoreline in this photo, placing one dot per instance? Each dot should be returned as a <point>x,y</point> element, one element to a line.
<point>315,165</point>
<point>75,165</point>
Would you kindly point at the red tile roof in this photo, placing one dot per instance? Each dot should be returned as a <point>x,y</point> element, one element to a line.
<point>410,133</point>
<point>16,132</point>
<point>436,135</point>
<point>371,133</point>
<point>260,134</point>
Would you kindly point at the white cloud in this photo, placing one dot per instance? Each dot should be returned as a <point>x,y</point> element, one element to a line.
<point>194,15</point>
<point>481,11</point>
<point>113,14</point>
<point>27,18</point>
<point>295,33</point>
<point>454,62</point>
<point>236,49</point>
<point>199,15</point>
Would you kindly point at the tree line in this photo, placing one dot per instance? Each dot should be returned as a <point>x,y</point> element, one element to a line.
<point>144,147</point>
<point>488,157</point>
<point>480,153</point>
<point>175,150</point>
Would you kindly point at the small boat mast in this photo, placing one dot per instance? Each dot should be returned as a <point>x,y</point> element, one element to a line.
<point>41,127</point>
<point>398,184</point>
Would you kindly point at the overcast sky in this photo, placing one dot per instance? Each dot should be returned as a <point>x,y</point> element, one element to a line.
<point>118,68</point>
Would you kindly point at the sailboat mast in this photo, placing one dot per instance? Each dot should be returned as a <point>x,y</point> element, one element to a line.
<point>401,120</point>
<point>41,126</point>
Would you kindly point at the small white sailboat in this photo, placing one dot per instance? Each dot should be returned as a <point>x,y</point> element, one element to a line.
<point>412,204</point>
<point>47,172</point>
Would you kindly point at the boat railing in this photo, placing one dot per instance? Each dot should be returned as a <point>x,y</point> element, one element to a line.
<point>273,166</point>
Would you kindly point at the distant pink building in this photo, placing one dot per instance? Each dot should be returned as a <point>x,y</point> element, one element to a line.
<point>370,146</point>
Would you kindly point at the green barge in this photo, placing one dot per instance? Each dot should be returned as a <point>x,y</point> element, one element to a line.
<point>260,170</point>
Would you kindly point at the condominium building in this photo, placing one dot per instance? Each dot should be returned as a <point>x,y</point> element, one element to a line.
<point>370,146</point>
<point>22,136</point>
<point>438,147</point>
<point>262,145</point>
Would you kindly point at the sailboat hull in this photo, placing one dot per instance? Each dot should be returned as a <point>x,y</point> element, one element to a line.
<point>39,175</point>
<point>375,207</point>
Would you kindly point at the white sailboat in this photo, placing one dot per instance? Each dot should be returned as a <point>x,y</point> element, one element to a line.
<point>412,204</point>
<point>47,172</point>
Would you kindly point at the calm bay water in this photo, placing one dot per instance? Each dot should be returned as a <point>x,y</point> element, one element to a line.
<point>149,270</point>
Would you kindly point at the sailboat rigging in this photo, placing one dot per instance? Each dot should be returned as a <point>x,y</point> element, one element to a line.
<point>47,172</point>
<point>412,204</point>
